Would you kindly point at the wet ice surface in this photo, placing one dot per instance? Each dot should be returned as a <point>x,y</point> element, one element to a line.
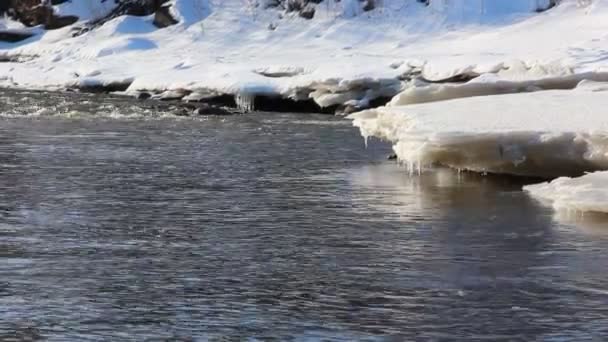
<point>274,226</point>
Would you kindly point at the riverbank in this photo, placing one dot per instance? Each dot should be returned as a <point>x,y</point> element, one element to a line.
<point>339,61</point>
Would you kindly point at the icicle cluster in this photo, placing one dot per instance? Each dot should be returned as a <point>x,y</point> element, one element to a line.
<point>245,101</point>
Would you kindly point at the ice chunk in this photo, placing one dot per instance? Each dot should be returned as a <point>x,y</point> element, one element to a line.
<point>548,134</point>
<point>588,193</point>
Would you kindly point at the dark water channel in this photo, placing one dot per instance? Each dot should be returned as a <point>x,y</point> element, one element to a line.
<point>121,223</point>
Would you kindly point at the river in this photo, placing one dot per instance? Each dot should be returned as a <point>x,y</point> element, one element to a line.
<point>123,222</point>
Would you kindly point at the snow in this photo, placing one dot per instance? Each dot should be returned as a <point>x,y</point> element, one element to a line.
<point>588,193</point>
<point>9,24</point>
<point>347,57</point>
<point>472,9</point>
<point>85,10</point>
<point>490,84</point>
<point>547,133</point>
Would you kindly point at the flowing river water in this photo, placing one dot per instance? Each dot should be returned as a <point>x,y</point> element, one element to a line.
<point>120,221</point>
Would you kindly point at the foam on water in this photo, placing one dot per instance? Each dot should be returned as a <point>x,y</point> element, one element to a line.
<point>34,105</point>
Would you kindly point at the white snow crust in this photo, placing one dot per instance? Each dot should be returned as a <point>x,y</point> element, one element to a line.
<point>345,55</point>
<point>588,193</point>
<point>9,24</point>
<point>547,133</point>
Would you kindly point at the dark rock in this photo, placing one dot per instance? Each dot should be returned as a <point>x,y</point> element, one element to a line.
<point>280,104</point>
<point>295,5</point>
<point>308,12</point>
<point>369,5</point>
<point>4,6</point>
<point>379,101</point>
<point>392,156</point>
<point>36,12</point>
<point>104,88</point>
<point>31,12</point>
<point>272,4</point>
<point>125,7</point>
<point>40,12</point>
<point>206,109</point>
<point>12,36</point>
<point>223,100</point>
<point>459,78</point>
<point>137,8</point>
<point>279,74</point>
<point>550,5</point>
<point>143,95</point>
<point>163,17</point>
<point>59,22</point>
<point>182,112</point>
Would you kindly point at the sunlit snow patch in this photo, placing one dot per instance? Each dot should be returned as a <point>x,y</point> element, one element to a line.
<point>547,134</point>
<point>588,193</point>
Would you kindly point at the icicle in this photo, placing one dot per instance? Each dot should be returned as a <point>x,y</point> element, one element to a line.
<point>410,167</point>
<point>245,101</point>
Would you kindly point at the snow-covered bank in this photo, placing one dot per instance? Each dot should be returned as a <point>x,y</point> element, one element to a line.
<point>548,134</point>
<point>342,57</point>
<point>588,193</point>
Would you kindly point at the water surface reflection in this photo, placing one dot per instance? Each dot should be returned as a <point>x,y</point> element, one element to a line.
<point>274,227</point>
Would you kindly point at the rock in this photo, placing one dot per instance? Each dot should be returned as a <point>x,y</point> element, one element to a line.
<point>206,109</point>
<point>163,17</point>
<point>347,109</point>
<point>36,12</point>
<point>271,4</point>
<point>143,95</point>
<point>295,5</point>
<point>278,72</point>
<point>31,12</point>
<point>392,156</point>
<point>369,5</point>
<point>308,12</point>
<point>181,112</point>
<point>110,87</point>
<point>55,22</point>
<point>124,7</point>
<point>13,36</point>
